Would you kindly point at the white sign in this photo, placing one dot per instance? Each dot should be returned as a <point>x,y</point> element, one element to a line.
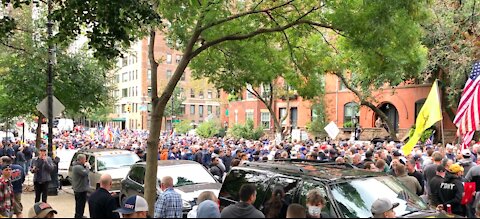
<point>332,130</point>
<point>58,107</point>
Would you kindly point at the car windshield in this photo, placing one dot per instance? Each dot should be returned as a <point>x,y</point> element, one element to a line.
<point>184,175</point>
<point>356,197</point>
<point>116,161</point>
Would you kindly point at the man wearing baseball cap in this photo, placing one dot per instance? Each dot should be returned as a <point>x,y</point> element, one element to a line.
<point>134,207</point>
<point>451,190</point>
<point>383,208</point>
<point>41,210</point>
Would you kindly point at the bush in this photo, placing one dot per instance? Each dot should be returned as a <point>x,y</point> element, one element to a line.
<point>348,124</point>
<point>183,127</point>
<point>246,131</point>
<point>208,129</point>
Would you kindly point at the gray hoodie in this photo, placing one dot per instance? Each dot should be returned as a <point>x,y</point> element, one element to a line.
<point>79,178</point>
<point>241,210</point>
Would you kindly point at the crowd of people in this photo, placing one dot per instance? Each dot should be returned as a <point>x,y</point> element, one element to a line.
<point>437,173</point>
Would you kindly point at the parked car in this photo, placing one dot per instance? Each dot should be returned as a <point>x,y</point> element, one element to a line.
<point>112,161</point>
<point>65,156</point>
<point>189,178</point>
<point>349,192</point>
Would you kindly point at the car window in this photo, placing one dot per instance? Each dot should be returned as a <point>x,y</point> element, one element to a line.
<point>237,177</point>
<point>355,198</point>
<point>74,158</point>
<point>109,162</point>
<point>91,161</point>
<point>185,175</point>
<point>137,174</point>
<point>289,186</point>
<point>307,186</point>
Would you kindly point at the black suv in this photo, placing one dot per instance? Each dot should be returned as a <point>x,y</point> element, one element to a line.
<point>349,192</point>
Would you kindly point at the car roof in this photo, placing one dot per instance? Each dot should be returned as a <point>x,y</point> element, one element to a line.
<point>325,171</point>
<point>105,152</point>
<point>171,162</point>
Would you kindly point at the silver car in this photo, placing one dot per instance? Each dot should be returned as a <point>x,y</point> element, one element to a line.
<point>112,161</point>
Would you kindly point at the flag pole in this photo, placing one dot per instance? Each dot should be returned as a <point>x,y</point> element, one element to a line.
<point>440,101</point>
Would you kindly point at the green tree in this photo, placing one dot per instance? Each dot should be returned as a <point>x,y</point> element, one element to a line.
<point>305,39</point>
<point>451,35</point>
<point>318,123</point>
<point>183,127</point>
<point>208,129</point>
<point>246,131</point>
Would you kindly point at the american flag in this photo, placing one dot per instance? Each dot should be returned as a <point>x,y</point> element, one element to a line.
<point>467,119</point>
<point>429,140</point>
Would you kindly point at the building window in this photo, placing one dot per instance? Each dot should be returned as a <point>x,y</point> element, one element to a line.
<point>342,86</point>
<point>149,92</point>
<point>183,76</point>
<point>249,115</point>
<point>209,94</point>
<point>124,92</point>
<point>283,113</point>
<point>209,110</point>
<point>192,109</point>
<point>125,61</point>
<point>124,108</point>
<point>200,110</point>
<point>350,111</point>
<point>136,74</point>
<point>418,107</point>
<point>248,94</point>
<point>192,93</point>
<point>265,118</point>
<point>265,91</point>
<point>236,116</point>
<point>117,78</point>
<point>182,109</point>
<point>200,94</point>
<point>218,94</point>
<point>217,110</point>
<point>149,74</point>
<point>178,59</point>
<point>125,76</point>
<point>169,58</point>
<point>169,74</point>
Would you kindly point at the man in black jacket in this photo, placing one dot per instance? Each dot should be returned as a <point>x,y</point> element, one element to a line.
<point>101,203</point>
<point>434,184</point>
<point>451,190</point>
<point>215,170</point>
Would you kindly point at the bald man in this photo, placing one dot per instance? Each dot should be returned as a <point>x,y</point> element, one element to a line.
<point>169,204</point>
<point>101,203</point>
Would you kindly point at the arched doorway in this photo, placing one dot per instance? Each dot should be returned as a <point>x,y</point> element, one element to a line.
<point>391,112</point>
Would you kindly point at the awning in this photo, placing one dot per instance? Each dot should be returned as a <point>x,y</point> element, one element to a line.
<point>119,119</point>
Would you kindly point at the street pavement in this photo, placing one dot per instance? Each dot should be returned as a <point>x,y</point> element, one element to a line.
<point>63,203</point>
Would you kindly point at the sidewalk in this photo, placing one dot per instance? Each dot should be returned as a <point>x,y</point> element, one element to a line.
<point>63,203</point>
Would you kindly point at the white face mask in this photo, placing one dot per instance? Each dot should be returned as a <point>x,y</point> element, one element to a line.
<point>314,210</point>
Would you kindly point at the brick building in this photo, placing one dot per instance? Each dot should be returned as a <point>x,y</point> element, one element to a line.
<point>133,93</point>
<point>401,105</point>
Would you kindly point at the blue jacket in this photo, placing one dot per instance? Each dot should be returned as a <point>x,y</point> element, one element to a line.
<point>18,177</point>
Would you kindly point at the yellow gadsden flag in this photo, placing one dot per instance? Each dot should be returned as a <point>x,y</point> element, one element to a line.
<point>429,114</point>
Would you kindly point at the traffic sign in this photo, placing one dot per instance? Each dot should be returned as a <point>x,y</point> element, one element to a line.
<point>58,107</point>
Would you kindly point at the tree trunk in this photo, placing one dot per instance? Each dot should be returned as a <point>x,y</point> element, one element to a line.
<point>384,117</point>
<point>158,110</point>
<point>38,141</point>
<point>366,103</point>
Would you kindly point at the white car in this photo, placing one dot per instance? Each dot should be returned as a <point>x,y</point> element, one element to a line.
<point>65,156</point>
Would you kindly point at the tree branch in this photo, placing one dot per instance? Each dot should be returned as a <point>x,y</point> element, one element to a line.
<point>15,48</point>
<point>255,33</point>
<point>233,17</point>
<point>325,39</point>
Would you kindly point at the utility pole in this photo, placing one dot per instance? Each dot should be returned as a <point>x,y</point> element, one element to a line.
<point>53,185</point>
<point>50,78</point>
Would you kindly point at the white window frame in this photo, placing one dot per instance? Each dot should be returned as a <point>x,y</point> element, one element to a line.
<point>248,95</point>
<point>264,119</point>
<point>169,58</point>
<point>250,114</point>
